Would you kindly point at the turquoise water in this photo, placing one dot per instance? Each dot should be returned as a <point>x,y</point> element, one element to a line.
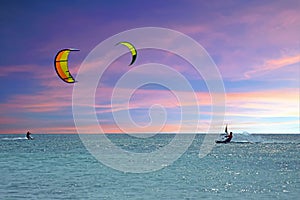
<point>59,167</point>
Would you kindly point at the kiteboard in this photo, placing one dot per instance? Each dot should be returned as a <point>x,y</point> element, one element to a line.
<point>222,141</point>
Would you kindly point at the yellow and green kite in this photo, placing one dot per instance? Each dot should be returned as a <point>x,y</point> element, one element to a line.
<point>132,50</point>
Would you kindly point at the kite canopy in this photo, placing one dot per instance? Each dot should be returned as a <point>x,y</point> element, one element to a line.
<point>132,50</point>
<point>61,65</point>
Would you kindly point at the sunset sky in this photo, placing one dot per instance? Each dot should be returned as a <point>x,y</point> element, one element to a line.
<point>254,44</point>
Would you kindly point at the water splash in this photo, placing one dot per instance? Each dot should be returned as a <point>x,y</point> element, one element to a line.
<point>246,137</point>
<point>14,138</point>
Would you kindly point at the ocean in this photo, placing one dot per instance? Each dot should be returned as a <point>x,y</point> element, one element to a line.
<point>60,167</point>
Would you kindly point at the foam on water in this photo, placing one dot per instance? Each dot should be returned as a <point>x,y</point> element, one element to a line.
<point>14,138</point>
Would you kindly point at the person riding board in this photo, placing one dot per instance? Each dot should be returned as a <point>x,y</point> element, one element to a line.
<point>28,136</point>
<point>228,137</point>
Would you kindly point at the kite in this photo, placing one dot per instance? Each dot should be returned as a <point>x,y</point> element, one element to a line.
<point>132,50</point>
<point>61,65</point>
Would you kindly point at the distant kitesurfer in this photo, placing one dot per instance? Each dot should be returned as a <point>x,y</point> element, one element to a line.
<point>28,136</point>
<point>228,137</point>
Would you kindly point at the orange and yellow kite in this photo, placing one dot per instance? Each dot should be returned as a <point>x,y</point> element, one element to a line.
<point>61,65</point>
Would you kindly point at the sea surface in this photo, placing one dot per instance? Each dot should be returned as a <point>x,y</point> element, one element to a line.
<point>60,167</point>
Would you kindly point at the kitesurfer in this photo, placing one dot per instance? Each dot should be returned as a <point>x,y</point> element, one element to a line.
<point>28,136</point>
<point>228,137</point>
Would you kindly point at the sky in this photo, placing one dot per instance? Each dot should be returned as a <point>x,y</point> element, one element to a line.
<point>254,44</point>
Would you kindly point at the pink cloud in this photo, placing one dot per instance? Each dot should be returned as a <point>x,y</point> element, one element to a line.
<point>44,101</point>
<point>143,98</point>
<point>166,128</point>
<point>255,107</point>
<point>11,120</point>
<point>284,99</point>
<point>193,29</point>
<point>251,105</point>
<point>244,110</point>
<point>261,104</point>
<point>272,64</point>
<point>256,35</point>
<point>12,70</point>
